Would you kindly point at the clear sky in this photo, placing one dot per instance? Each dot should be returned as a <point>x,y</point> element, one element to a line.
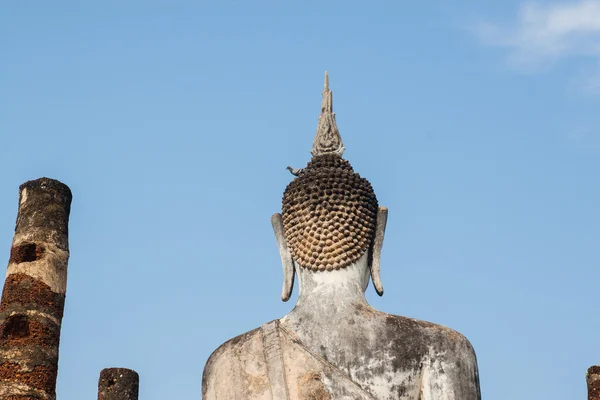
<point>173,121</point>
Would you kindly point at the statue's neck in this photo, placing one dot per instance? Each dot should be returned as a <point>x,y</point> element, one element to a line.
<point>325,292</point>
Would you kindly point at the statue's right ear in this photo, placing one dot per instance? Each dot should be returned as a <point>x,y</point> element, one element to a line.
<point>286,257</point>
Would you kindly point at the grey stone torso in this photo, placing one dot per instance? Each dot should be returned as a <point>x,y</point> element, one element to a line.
<point>333,345</point>
<point>392,358</point>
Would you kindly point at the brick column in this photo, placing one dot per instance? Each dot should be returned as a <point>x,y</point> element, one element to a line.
<point>33,299</point>
<point>593,382</point>
<point>118,384</point>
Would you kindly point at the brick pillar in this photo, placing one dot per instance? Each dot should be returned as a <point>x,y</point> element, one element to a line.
<point>118,384</point>
<point>593,382</point>
<point>33,299</point>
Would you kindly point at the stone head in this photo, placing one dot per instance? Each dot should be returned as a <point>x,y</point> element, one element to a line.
<point>329,214</point>
<point>330,217</point>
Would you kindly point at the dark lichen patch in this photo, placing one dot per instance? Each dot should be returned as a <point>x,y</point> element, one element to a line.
<point>405,337</point>
<point>22,289</point>
<point>48,185</point>
<point>401,390</point>
<point>26,252</point>
<point>44,209</point>
<point>118,384</point>
<point>364,311</point>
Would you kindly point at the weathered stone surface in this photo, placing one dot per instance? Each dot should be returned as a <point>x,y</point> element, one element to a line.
<point>23,290</point>
<point>335,346</point>
<point>238,370</point>
<point>33,298</point>
<point>327,139</point>
<point>118,384</point>
<point>593,382</point>
<point>287,262</point>
<point>44,208</point>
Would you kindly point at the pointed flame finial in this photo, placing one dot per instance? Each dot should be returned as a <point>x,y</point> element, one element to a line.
<point>327,139</point>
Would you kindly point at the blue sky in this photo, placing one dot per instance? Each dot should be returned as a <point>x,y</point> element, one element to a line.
<point>172,122</point>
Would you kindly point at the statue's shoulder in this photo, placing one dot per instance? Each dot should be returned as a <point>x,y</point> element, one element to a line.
<point>230,365</point>
<point>446,352</point>
<point>235,345</point>
<point>425,335</point>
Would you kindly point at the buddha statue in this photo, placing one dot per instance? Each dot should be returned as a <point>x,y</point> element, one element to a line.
<point>333,345</point>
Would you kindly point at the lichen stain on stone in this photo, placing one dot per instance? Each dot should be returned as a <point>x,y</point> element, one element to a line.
<point>311,387</point>
<point>26,252</point>
<point>402,389</point>
<point>365,311</point>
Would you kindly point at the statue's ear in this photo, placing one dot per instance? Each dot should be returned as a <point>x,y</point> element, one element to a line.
<point>286,257</point>
<point>382,215</point>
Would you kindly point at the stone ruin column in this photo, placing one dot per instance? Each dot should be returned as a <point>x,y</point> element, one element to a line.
<point>33,299</point>
<point>118,384</point>
<point>593,382</point>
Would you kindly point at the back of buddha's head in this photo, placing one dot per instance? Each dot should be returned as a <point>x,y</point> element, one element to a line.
<point>329,211</point>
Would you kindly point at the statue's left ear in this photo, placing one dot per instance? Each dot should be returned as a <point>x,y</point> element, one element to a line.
<point>382,215</point>
<point>286,257</point>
